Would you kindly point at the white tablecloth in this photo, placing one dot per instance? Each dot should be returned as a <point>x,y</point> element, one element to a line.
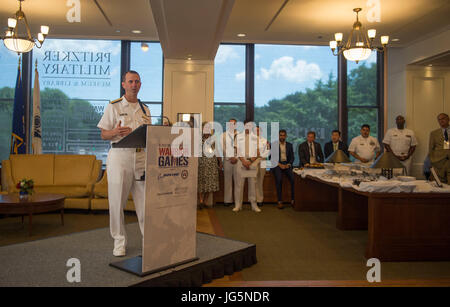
<point>379,186</point>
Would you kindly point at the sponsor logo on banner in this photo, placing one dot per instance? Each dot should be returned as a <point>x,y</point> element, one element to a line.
<point>184,174</point>
<point>161,176</point>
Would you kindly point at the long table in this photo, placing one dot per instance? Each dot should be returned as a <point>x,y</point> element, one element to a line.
<point>401,226</point>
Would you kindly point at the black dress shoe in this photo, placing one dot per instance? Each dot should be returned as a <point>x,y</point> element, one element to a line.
<point>227,204</point>
<point>260,204</point>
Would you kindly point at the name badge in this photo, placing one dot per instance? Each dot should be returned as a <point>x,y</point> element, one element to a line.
<point>123,114</point>
<point>447,145</point>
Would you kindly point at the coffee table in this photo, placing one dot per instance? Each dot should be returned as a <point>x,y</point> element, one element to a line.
<point>37,203</point>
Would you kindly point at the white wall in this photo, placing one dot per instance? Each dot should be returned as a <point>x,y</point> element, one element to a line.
<point>418,92</point>
<point>188,88</point>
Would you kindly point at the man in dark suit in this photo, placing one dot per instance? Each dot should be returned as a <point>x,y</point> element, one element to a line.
<point>285,160</point>
<point>310,152</point>
<point>335,144</point>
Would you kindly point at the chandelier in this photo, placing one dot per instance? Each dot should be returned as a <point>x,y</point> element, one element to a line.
<point>22,42</point>
<point>359,45</point>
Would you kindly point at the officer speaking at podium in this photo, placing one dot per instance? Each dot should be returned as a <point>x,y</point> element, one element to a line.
<point>124,165</point>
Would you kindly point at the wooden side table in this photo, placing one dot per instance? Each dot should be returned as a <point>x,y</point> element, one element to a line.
<point>37,203</point>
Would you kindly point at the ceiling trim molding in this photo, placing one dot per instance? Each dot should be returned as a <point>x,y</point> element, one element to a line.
<point>276,15</point>
<point>103,12</point>
<point>160,19</point>
<point>225,12</point>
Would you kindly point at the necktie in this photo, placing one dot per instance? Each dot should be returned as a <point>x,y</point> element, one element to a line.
<point>446,135</point>
<point>335,146</point>
<point>310,150</point>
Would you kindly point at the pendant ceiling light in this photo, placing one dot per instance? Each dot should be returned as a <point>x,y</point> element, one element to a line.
<point>359,45</point>
<point>18,36</point>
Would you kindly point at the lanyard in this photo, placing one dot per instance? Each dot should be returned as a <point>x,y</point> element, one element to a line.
<point>142,107</point>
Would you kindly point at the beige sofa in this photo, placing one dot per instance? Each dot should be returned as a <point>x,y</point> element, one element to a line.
<point>71,175</point>
<point>100,198</point>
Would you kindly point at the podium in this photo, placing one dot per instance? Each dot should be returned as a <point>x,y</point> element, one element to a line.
<point>170,224</point>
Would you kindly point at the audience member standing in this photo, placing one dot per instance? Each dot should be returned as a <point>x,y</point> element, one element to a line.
<point>263,152</point>
<point>247,155</point>
<point>229,160</point>
<point>335,144</point>
<point>310,152</point>
<point>401,142</point>
<point>364,148</point>
<point>439,149</point>
<point>284,167</point>
<point>208,169</point>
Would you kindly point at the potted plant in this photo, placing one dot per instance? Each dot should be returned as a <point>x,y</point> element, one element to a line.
<point>25,187</point>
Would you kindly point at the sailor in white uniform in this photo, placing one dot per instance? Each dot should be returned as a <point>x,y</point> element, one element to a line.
<point>263,153</point>
<point>125,166</point>
<point>228,143</point>
<point>246,167</point>
<point>365,148</point>
<point>401,142</point>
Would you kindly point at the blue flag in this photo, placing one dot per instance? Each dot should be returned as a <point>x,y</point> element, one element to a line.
<point>18,128</point>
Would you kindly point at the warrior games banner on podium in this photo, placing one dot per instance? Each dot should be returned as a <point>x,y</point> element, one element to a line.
<point>170,200</point>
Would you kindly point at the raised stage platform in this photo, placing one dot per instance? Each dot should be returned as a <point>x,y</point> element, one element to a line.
<point>43,262</point>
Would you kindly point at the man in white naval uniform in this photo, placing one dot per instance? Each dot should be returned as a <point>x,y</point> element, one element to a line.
<point>263,153</point>
<point>401,142</point>
<point>246,142</point>
<point>364,148</point>
<point>229,161</point>
<point>124,165</point>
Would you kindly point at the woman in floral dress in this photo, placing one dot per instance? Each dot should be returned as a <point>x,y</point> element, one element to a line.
<point>208,169</point>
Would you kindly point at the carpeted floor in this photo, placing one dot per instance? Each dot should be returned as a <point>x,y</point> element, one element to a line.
<point>295,245</point>
<point>44,262</point>
<point>12,230</point>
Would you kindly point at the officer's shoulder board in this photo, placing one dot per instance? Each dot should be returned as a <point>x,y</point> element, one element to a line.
<point>116,101</point>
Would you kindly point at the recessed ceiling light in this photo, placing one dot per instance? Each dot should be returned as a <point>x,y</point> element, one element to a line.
<point>118,31</point>
<point>242,35</point>
<point>429,65</point>
<point>136,31</point>
<point>395,39</point>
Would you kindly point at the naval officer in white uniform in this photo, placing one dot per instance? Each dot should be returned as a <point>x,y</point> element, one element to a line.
<point>263,152</point>
<point>124,166</point>
<point>228,143</point>
<point>364,148</point>
<point>401,142</point>
<point>246,167</point>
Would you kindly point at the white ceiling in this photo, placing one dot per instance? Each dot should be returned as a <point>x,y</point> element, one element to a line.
<point>197,26</point>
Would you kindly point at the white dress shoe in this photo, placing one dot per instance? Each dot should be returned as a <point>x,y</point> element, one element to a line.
<point>236,209</point>
<point>256,209</point>
<point>119,252</point>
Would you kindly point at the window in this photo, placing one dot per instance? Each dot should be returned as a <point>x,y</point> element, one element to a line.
<point>149,65</point>
<point>297,87</point>
<point>77,78</point>
<point>362,96</point>
<point>8,67</point>
<point>229,83</point>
